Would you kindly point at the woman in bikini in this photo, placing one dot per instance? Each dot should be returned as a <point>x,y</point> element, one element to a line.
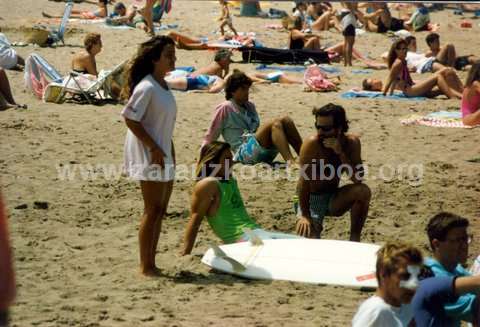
<point>399,77</point>
<point>84,62</point>
<point>471,97</point>
<point>101,12</point>
<point>301,40</point>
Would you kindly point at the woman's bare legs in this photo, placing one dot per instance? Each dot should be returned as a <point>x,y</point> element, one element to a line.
<point>155,196</point>
<point>280,133</point>
<point>424,87</point>
<point>148,15</point>
<point>312,43</point>
<point>348,50</point>
<point>454,82</point>
<point>285,79</point>
<point>185,42</point>
<point>322,23</point>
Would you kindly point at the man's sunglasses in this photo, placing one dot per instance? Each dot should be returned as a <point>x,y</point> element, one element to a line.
<point>324,128</point>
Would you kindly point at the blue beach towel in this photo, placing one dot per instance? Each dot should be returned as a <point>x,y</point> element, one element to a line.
<point>361,71</point>
<point>445,115</point>
<point>282,68</point>
<point>330,69</point>
<point>378,95</point>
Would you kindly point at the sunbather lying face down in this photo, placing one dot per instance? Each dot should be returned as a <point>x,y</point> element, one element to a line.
<point>101,12</point>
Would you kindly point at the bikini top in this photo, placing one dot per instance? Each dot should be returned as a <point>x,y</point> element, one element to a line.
<point>80,71</point>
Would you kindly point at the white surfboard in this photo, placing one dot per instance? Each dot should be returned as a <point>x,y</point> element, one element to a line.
<point>299,260</point>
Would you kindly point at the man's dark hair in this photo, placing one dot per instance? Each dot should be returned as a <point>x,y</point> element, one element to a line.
<point>443,222</point>
<point>366,85</point>
<point>432,37</point>
<point>237,80</point>
<point>336,112</point>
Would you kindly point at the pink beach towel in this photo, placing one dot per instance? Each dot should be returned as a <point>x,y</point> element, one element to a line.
<point>317,80</point>
<point>434,122</point>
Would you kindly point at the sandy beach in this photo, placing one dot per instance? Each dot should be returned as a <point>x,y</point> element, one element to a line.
<point>76,257</point>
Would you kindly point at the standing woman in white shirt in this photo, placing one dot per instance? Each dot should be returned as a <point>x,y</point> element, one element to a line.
<point>149,153</point>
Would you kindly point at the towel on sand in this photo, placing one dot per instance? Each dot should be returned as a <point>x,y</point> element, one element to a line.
<point>450,119</point>
<point>378,95</point>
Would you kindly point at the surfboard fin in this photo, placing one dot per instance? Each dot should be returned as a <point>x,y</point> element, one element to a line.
<point>253,238</point>
<point>237,266</point>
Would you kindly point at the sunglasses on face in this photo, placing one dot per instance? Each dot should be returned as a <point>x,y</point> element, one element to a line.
<point>324,128</point>
<point>402,49</point>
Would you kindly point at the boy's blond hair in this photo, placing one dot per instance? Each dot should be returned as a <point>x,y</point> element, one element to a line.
<point>389,256</point>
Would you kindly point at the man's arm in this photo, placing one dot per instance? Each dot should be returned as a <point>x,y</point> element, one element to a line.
<point>306,157</point>
<point>205,194</point>
<point>353,157</point>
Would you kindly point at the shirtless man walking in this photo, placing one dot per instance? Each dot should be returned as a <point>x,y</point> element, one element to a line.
<point>323,158</point>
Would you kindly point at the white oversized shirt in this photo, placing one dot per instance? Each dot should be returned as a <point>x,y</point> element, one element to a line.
<point>375,312</point>
<point>155,108</point>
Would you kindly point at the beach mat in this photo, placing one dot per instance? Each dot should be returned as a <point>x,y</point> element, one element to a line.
<point>447,119</point>
<point>378,95</point>
<point>283,56</point>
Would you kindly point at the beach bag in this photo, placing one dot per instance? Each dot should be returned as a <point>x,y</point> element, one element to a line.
<point>38,34</point>
<point>316,80</point>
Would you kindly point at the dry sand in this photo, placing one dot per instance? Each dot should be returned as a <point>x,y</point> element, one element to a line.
<point>77,261</point>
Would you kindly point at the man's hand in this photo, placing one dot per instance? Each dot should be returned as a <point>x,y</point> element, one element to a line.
<point>157,157</point>
<point>304,227</point>
<point>334,144</point>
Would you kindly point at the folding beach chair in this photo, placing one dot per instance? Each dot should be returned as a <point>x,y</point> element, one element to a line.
<point>38,74</point>
<point>57,35</point>
<point>80,85</point>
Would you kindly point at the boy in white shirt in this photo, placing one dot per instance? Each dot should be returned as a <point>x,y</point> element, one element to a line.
<point>398,267</point>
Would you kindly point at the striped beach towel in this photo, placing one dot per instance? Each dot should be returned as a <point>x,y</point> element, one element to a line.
<point>437,119</point>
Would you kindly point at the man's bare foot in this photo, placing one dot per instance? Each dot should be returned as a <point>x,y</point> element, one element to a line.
<point>151,272</point>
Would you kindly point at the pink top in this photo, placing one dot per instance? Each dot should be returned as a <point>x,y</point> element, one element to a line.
<point>471,105</point>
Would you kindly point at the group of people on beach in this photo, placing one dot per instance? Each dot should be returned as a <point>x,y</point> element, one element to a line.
<point>150,158</point>
<point>407,291</point>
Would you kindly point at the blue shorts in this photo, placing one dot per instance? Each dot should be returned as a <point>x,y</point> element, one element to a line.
<point>200,82</point>
<point>428,66</point>
<point>274,77</point>
<point>250,152</point>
